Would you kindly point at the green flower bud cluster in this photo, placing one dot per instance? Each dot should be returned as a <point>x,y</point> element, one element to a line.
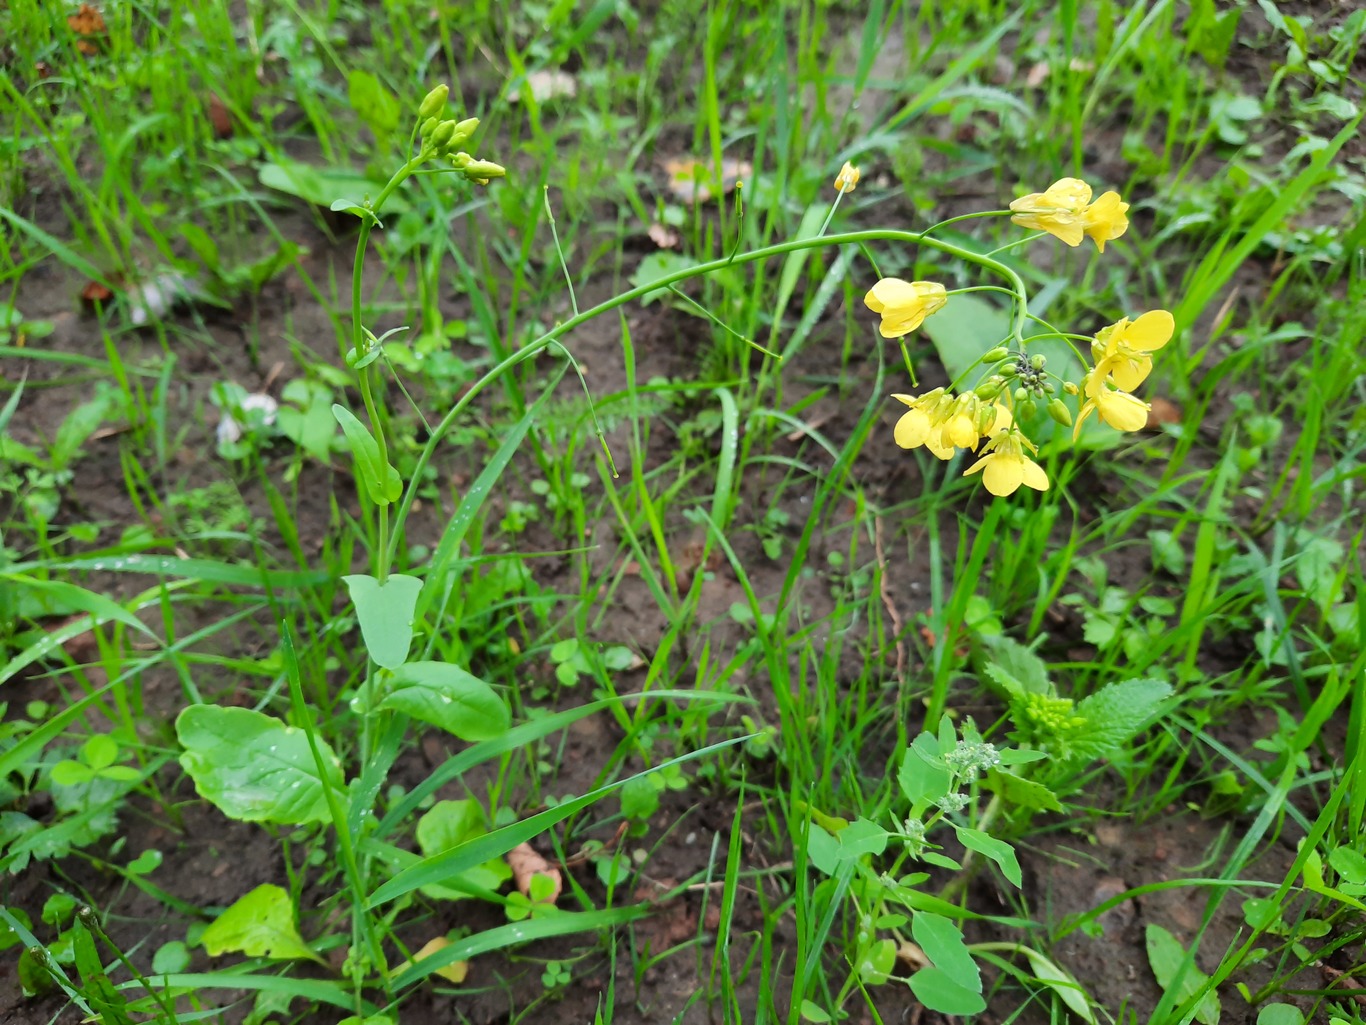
<point>443,137</point>
<point>1049,717</point>
<point>971,757</point>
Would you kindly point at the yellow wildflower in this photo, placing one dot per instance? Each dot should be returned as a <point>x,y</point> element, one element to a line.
<point>1005,466</point>
<point>1058,211</point>
<point>923,422</point>
<point>1065,211</point>
<point>944,423</point>
<point>1119,409</point>
<point>1105,219</point>
<point>904,305</point>
<point>847,179</point>
<point>1121,350</point>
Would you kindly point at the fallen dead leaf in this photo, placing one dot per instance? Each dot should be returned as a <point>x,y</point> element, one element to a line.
<point>694,181</point>
<point>87,23</point>
<point>94,292</point>
<point>453,972</point>
<point>526,863</point>
<point>662,236</point>
<point>911,955</point>
<point>1163,412</point>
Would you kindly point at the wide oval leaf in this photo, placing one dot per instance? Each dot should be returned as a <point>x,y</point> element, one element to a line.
<point>253,767</point>
<point>385,612</point>
<point>444,695</point>
<point>259,924</point>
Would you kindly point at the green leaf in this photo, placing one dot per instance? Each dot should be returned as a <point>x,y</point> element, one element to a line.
<point>822,849</point>
<point>812,1012</point>
<point>253,767</point>
<point>321,185</point>
<point>1349,864</point>
<point>1021,792</point>
<point>862,837</point>
<point>1280,1014</point>
<point>875,967</point>
<point>260,924</point>
<point>1014,668</point>
<point>939,992</point>
<point>170,957</point>
<point>1166,956</point>
<point>656,266</point>
<point>375,104</point>
<point>923,778</point>
<point>1113,715</point>
<point>1317,569</point>
<point>385,612</point>
<point>989,847</point>
<point>444,695</point>
<point>943,944</point>
<point>380,480</point>
<point>447,825</point>
<point>1060,983</point>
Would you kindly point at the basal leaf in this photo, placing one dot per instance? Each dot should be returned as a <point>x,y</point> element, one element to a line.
<point>385,613</point>
<point>444,695</point>
<point>253,767</point>
<point>259,924</point>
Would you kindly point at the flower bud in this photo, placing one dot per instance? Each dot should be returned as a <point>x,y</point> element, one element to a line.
<point>988,389</point>
<point>1071,388</point>
<point>995,355</point>
<point>434,103</point>
<point>483,170</point>
<point>1010,370</point>
<point>1037,362</point>
<point>428,126</point>
<point>986,416</point>
<point>1021,394</point>
<point>1057,409</point>
<point>463,131</point>
<point>442,134</point>
<point>1027,409</point>
<point>847,179</point>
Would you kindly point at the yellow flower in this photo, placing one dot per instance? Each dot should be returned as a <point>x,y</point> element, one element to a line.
<point>1063,212</point>
<point>1105,219</point>
<point>1121,350</point>
<point>1005,466</point>
<point>1058,211</point>
<point>1119,409</point>
<point>847,179</point>
<point>922,424</point>
<point>904,305</point>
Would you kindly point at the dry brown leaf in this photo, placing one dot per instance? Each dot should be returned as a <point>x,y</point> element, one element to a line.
<point>94,292</point>
<point>526,863</point>
<point>1163,412</point>
<point>693,181</point>
<point>219,117</point>
<point>1037,75</point>
<point>87,23</point>
<point>663,236</point>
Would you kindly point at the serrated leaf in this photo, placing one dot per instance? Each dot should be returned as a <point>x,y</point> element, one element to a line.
<point>444,695</point>
<point>1165,956</point>
<point>385,613</point>
<point>1015,668</point>
<point>260,924</point>
<point>1021,792</point>
<point>1113,715</point>
<point>253,767</point>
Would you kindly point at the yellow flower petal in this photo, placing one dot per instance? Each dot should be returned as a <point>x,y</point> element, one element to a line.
<point>904,305</point>
<point>1105,219</point>
<point>1150,332</point>
<point>912,429</point>
<point>1003,476</point>
<point>847,179</point>
<point>1059,210</point>
<point>1034,476</point>
<point>1122,411</point>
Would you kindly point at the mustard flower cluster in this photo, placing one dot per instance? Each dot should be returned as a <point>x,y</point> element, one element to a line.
<point>987,417</point>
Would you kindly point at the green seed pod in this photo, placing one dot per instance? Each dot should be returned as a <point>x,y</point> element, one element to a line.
<point>1058,410</point>
<point>1038,362</point>
<point>995,355</point>
<point>434,103</point>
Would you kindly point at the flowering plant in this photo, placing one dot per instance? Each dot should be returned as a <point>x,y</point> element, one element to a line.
<point>1012,383</point>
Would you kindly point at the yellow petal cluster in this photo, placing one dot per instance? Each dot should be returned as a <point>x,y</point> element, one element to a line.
<point>1005,466</point>
<point>904,305</point>
<point>1123,350</point>
<point>1065,211</point>
<point>944,422</point>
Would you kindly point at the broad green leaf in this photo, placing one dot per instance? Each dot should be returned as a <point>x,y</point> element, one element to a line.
<point>997,850</point>
<point>380,480</point>
<point>1280,1014</point>
<point>1015,668</point>
<point>934,988</point>
<point>170,957</point>
<point>321,185</point>
<point>1060,983</point>
<point>1113,715</point>
<point>812,1012</point>
<point>862,837</point>
<point>259,924</point>
<point>876,965</point>
<point>943,944</point>
<point>253,767</point>
<point>375,104</point>
<point>449,824</point>
<point>385,613</point>
<point>822,849</point>
<point>1317,569</point>
<point>1166,957</point>
<point>444,695</point>
<point>1349,864</point>
<point>656,266</point>
<point>923,778</point>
